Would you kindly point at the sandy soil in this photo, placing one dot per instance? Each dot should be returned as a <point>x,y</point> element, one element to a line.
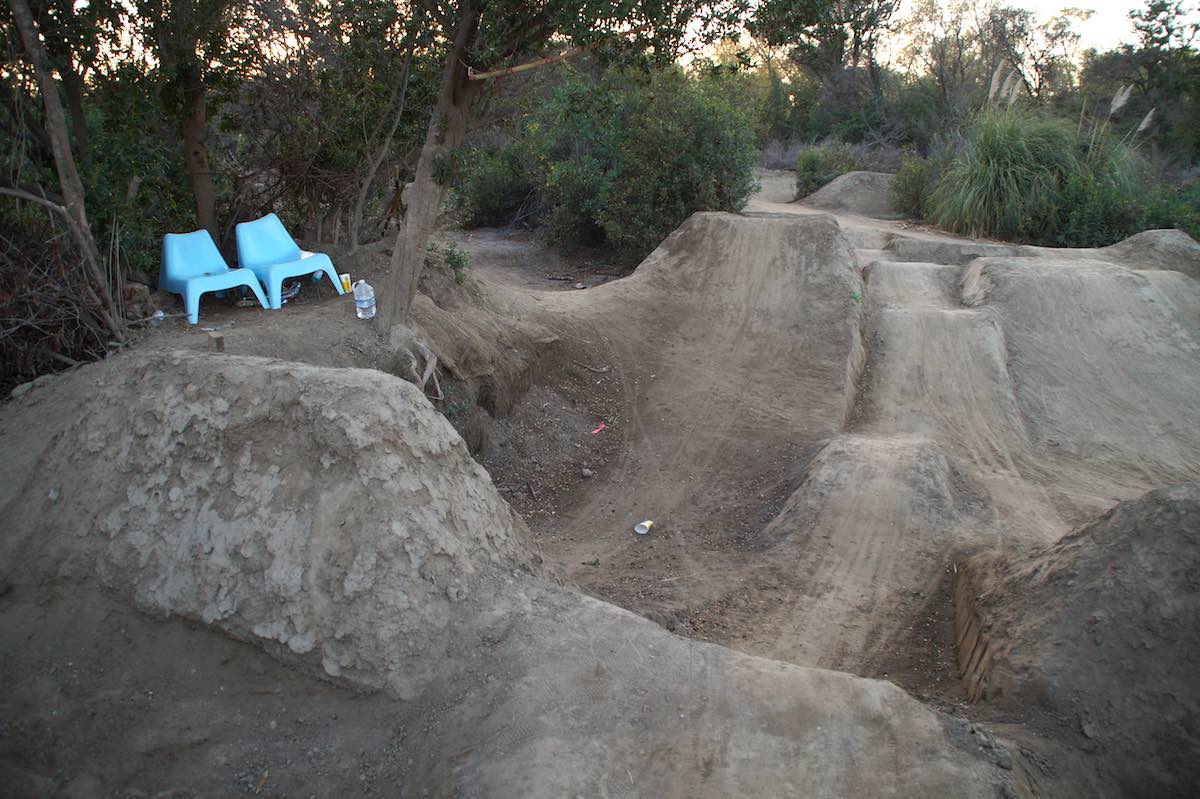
<point>825,415</point>
<point>334,519</point>
<point>788,528</point>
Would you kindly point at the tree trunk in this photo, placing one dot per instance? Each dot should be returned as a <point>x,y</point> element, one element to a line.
<point>360,202</point>
<point>68,173</point>
<point>73,89</point>
<point>193,138</point>
<point>447,127</point>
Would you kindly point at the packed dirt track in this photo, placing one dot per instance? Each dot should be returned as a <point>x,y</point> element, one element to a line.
<point>854,439</point>
<point>384,560</point>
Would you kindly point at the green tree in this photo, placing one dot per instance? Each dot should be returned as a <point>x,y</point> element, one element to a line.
<point>189,39</point>
<point>826,35</point>
<point>481,36</point>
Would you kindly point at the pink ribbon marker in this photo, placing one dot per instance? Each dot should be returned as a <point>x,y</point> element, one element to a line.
<point>598,429</point>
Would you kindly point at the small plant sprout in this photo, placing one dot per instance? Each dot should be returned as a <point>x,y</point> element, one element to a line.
<point>453,257</point>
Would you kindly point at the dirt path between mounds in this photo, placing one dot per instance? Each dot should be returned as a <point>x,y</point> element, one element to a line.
<point>822,414</point>
<point>830,419</point>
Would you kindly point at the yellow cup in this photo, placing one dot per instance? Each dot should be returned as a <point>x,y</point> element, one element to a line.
<point>346,286</point>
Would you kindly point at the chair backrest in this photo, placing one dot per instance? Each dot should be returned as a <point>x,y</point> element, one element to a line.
<point>264,242</point>
<point>188,255</point>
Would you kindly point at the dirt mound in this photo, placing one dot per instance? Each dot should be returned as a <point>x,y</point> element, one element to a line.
<point>1158,249</point>
<point>945,251</point>
<point>1100,630</point>
<point>331,513</point>
<point>863,193</point>
<point>1105,363</point>
<point>735,329</point>
<point>333,518</point>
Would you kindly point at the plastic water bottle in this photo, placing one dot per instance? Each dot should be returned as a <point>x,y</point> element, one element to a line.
<point>364,300</point>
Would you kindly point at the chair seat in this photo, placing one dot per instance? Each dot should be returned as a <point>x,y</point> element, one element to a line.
<point>217,281</point>
<point>265,246</point>
<point>308,263</point>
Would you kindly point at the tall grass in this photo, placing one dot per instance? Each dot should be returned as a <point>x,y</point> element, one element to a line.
<point>1005,181</point>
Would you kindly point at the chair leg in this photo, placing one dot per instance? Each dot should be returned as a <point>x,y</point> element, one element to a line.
<point>257,289</point>
<point>275,292</point>
<point>333,276</point>
<point>191,301</point>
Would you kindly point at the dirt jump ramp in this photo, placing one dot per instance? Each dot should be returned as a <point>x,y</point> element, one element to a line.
<point>335,520</point>
<point>864,193</point>
<point>1097,634</point>
<point>1105,364</point>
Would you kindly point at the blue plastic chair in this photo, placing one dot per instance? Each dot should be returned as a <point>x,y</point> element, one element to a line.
<point>192,265</point>
<point>266,248</point>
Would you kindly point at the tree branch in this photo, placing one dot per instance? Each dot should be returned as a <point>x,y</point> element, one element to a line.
<point>36,190</point>
<point>33,198</point>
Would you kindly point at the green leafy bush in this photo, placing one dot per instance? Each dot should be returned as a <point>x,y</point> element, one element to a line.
<point>689,147</point>
<point>491,185</point>
<point>1168,206</point>
<point>1005,182</point>
<point>817,166</point>
<point>911,186</point>
<point>1094,210</point>
<point>572,193</point>
<point>625,159</point>
<point>449,255</point>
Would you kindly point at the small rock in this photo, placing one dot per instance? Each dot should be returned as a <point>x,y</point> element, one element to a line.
<point>580,286</point>
<point>587,472</point>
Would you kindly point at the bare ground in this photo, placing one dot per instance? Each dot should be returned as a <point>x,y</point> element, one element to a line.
<point>824,416</point>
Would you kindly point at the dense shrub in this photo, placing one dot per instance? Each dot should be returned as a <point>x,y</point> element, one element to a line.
<point>1093,213</point>
<point>1169,206</point>
<point>1006,179</point>
<point>817,166</point>
<point>688,147</point>
<point>1096,212</point>
<point>911,187</point>
<point>490,186</point>
<point>1030,180</point>
<point>621,160</point>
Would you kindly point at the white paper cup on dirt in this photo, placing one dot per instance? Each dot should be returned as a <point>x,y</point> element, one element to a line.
<point>644,527</point>
<point>345,276</point>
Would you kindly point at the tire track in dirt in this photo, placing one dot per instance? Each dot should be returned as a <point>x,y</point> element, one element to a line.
<point>933,455</point>
<point>812,487</point>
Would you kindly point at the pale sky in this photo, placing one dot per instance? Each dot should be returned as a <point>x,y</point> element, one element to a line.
<point>1109,25</point>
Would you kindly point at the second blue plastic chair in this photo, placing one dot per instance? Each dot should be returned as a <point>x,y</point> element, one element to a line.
<point>266,248</point>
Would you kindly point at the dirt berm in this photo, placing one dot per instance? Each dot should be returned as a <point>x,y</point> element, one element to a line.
<point>1099,632</point>
<point>335,519</point>
<point>863,193</point>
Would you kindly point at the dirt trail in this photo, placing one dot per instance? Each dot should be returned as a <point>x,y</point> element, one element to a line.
<point>334,519</point>
<point>824,415</point>
<point>817,451</point>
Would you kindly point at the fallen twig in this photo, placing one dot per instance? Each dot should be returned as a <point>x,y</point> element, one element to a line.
<point>601,371</point>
